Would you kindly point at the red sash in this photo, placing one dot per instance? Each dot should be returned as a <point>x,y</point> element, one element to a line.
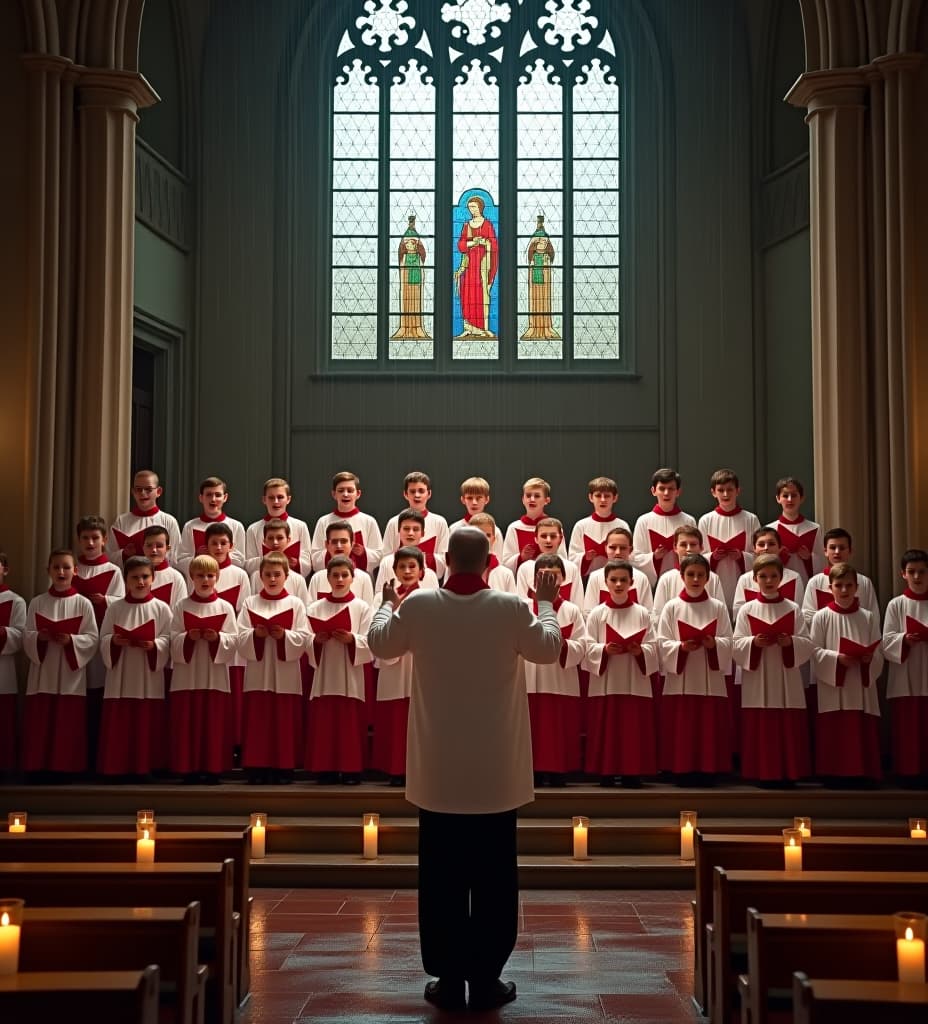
<point>291,550</point>
<point>855,651</point>
<point>284,618</point>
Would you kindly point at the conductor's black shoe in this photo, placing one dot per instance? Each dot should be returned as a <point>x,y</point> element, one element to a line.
<point>446,995</point>
<point>489,997</point>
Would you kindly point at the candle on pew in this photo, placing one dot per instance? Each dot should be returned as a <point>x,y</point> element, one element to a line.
<point>258,835</point>
<point>11,917</point>
<point>792,849</point>
<point>687,834</point>
<point>16,821</point>
<point>581,838</point>
<point>804,825</point>
<point>917,828</point>
<point>145,844</point>
<point>910,947</point>
<point>371,824</point>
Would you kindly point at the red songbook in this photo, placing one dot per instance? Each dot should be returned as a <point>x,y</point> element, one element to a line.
<point>135,539</point>
<point>199,539</point>
<point>792,542</point>
<point>823,598</point>
<point>526,538</point>
<point>658,540</point>
<point>284,618</point>
<point>736,543</point>
<point>856,651</point>
<point>614,637</point>
<point>70,626</point>
<point>593,548</point>
<point>164,592</point>
<point>566,631</point>
<point>341,620</point>
<point>690,632</point>
<point>192,621</point>
<point>230,595</point>
<point>99,583</point>
<point>291,550</point>
<point>771,630</point>
<point>915,626</point>
<point>6,611</point>
<point>144,632</point>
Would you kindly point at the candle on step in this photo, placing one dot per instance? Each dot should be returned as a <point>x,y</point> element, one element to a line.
<point>910,947</point>
<point>581,838</point>
<point>144,817</point>
<point>258,835</point>
<point>16,821</point>
<point>145,843</point>
<point>371,824</point>
<point>804,825</point>
<point>687,834</point>
<point>792,849</point>
<point>917,828</point>
<point>11,918</point>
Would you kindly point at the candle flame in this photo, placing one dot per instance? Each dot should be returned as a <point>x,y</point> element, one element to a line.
<point>909,934</point>
<point>258,823</point>
<point>16,821</point>
<point>689,825</point>
<point>792,841</point>
<point>144,833</point>
<point>5,920</point>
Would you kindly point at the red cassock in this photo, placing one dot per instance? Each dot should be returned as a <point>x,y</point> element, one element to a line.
<point>907,689</point>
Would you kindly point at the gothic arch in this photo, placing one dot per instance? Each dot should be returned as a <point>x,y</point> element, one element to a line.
<point>94,33</point>
<point>849,33</point>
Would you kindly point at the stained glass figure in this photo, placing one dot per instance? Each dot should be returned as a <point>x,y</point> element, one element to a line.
<point>540,255</point>
<point>476,273</point>
<point>412,274</point>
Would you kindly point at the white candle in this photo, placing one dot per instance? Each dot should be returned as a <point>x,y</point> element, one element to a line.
<point>804,825</point>
<point>258,839</point>
<point>9,945</point>
<point>792,855</point>
<point>581,839</point>
<point>145,848</point>
<point>917,828</point>
<point>17,825</point>
<point>910,956</point>
<point>917,833</point>
<point>686,841</point>
<point>370,836</point>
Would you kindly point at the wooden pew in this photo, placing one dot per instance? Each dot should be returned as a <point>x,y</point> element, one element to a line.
<point>823,945</point>
<point>858,1002</point>
<point>145,885</point>
<point>796,892</point>
<point>820,852</point>
<point>171,847</point>
<point>121,939</point>
<point>113,997</point>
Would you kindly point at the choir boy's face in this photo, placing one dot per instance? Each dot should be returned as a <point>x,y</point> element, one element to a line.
<point>555,572</point>
<point>410,533</point>
<point>548,539</point>
<point>212,499</point>
<point>156,548</point>
<point>407,572</point>
<point>276,540</point>
<point>767,544</point>
<point>726,495</point>
<point>273,578</point>
<point>915,575</point>
<point>475,503</point>
<point>534,501</point>
<point>139,581</point>
<point>91,543</point>
<point>61,571</point>
<point>346,495</point>
<point>339,580</point>
<point>618,546</point>
<point>789,499</point>
<point>837,550</point>
<point>695,579</point>
<point>204,582</point>
<point>417,496</point>
<point>339,542</point>
<point>768,580</point>
<point>489,532</point>
<point>844,591</point>
<point>218,547</point>
<point>146,491</point>
<point>618,583</point>
<point>276,500</point>
<point>603,502</point>
<point>687,544</point>
<point>666,494</point>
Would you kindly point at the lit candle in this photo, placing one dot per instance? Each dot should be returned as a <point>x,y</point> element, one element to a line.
<point>145,844</point>
<point>371,824</point>
<point>804,825</point>
<point>11,912</point>
<point>910,947</point>
<point>144,817</point>
<point>792,849</point>
<point>258,835</point>
<point>917,829</point>
<point>581,838</point>
<point>16,821</point>
<point>687,834</point>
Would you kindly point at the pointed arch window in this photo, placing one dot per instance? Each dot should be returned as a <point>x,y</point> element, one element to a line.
<point>476,188</point>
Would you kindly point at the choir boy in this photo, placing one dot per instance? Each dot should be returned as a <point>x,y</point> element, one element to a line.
<point>687,540</point>
<point>818,589</point>
<point>12,624</point>
<point>276,537</point>
<point>339,541</point>
<point>766,541</point>
<point>728,530</point>
<point>126,533</point>
<point>394,680</point>
<point>168,586</point>
<point>411,531</point>
<point>59,638</point>
<point>905,643</point>
<point>366,542</point>
<point>654,530</point>
<point>135,641</point>
<point>417,490</point>
<point>336,732</point>
<point>204,644</point>
<point>214,493</point>
<point>618,548</point>
<point>475,496</point>
<point>496,576</point>
<point>272,637</point>
<point>549,540</point>
<point>621,658</point>
<point>587,548</point>
<point>276,498</point>
<point>694,644</point>
<point>520,543</point>
<point>847,659</point>
<point>799,537</point>
<point>771,641</point>
<point>554,691</point>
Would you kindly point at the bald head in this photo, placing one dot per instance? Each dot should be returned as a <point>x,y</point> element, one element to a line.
<point>468,550</point>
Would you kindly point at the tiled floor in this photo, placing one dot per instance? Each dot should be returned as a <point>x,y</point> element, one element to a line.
<point>351,956</point>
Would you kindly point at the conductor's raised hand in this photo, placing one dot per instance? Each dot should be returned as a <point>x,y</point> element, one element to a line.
<point>546,585</point>
<point>390,595</point>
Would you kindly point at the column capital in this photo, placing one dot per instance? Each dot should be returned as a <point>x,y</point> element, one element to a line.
<point>897,63</point>
<point>822,90</point>
<point>106,87</point>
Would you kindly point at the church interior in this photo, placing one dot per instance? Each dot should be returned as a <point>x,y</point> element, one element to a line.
<point>275,240</point>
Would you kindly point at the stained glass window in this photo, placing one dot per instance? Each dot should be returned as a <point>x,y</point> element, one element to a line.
<point>476,187</point>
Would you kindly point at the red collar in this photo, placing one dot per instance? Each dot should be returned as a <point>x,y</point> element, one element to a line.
<point>905,593</point>
<point>274,597</point>
<point>720,511</point>
<point>610,603</point>
<point>340,600</point>
<point>347,515</point>
<point>604,519</point>
<point>221,518</point>
<point>791,522</point>
<point>102,560</point>
<point>465,583</point>
<point>769,600</point>
<point>530,522</point>
<point>283,517</point>
<point>143,514</point>
<point>70,592</point>
<point>835,607</point>
<point>204,600</point>
<point>684,596</point>
<point>140,600</point>
<point>657,510</point>
<point>225,563</point>
<point>165,565</point>
<point>3,588</point>
<point>492,564</point>
<point>403,592</point>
